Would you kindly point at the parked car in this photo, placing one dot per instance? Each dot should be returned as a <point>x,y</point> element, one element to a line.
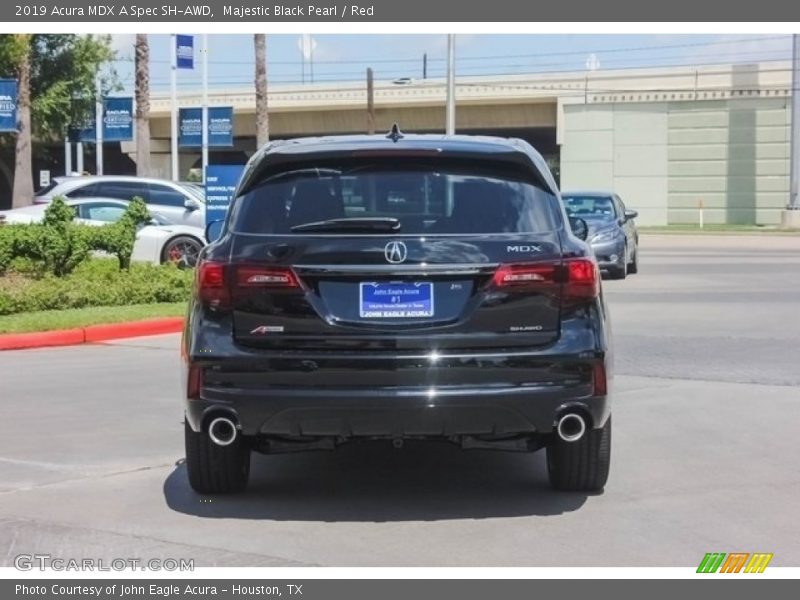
<point>407,287</point>
<point>157,242</point>
<point>612,229</point>
<point>177,202</point>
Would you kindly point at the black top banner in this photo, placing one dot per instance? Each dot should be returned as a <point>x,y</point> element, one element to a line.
<point>443,11</point>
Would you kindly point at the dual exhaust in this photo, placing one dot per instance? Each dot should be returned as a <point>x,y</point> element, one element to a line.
<point>571,427</point>
<point>222,431</point>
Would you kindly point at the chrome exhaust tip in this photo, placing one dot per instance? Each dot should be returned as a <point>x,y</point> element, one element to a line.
<point>571,427</point>
<point>222,431</point>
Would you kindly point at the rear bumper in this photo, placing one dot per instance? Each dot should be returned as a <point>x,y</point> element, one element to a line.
<point>396,412</point>
<point>398,393</point>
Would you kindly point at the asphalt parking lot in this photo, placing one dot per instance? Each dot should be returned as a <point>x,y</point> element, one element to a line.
<point>706,449</point>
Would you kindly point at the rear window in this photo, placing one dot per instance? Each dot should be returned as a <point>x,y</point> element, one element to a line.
<point>424,201</point>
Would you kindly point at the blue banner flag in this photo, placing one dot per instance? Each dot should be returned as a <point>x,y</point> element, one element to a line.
<point>190,127</point>
<point>8,105</point>
<point>184,51</point>
<point>220,127</point>
<point>118,119</point>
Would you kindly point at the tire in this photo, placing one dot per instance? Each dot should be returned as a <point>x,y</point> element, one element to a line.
<point>581,466</point>
<point>182,250</point>
<point>633,266</point>
<point>214,469</point>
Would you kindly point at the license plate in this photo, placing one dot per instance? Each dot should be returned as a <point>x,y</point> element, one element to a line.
<point>395,300</point>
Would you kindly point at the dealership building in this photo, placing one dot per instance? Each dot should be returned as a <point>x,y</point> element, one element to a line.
<point>672,141</point>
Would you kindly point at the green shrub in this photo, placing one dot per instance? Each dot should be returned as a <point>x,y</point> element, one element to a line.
<point>118,238</point>
<point>95,282</point>
<point>58,244</point>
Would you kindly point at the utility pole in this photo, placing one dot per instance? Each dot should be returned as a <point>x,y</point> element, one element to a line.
<point>425,66</point>
<point>174,106</point>
<point>451,84</point>
<point>791,216</point>
<point>204,138</point>
<point>370,103</point>
<point>98,126</point>
<point>67,156</point>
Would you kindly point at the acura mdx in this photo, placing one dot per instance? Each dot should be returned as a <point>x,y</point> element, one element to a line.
<point>396,288</point>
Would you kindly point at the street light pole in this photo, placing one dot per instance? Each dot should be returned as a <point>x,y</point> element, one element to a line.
<point>451,84</point>
<point>98,126</point>
<point>791,216</point>
<point>204,161</point>
<point>174,106</point>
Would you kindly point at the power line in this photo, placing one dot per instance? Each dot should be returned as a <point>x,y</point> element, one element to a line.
<point>416,60</point>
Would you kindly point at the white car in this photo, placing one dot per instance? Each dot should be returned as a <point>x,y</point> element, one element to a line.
<point>157,242</point>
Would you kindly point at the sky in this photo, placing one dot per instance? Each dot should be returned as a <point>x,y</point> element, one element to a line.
<point>339,58</point>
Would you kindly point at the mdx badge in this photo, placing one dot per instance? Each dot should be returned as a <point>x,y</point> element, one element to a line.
<point>526,248</point>
<point>395,252</point>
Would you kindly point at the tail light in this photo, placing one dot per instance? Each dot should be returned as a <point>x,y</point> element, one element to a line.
<point>599,382</point>
<point>581,282</point>
<point>194,379</point>
<point>253,276</point>
<point>579,278</point>
<point>524,275</point>
<point>218,283</point>
<point>210,284</point>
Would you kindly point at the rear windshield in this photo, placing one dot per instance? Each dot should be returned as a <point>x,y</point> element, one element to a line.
<point>424,201</point>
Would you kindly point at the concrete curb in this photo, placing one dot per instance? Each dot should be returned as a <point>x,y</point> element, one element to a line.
<point>92,333</point>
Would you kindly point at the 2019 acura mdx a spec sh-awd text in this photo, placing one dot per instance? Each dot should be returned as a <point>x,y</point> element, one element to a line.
<point>398,287</point>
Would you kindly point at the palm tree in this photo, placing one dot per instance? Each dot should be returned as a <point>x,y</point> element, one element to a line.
<point>262,113</point>
<point>142,69</point>
<point>22,192</point>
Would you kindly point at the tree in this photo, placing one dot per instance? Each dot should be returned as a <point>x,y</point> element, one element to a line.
<point>56,76</point>
<point>15,60</point>
<point>262,105</point>
<point>22,191</point>
<point>142,85</point>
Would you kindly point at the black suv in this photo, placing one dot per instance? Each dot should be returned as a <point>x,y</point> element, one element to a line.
<point>398,287</point>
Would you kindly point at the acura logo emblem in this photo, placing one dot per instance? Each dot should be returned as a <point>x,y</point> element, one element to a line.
<point>395,252</point>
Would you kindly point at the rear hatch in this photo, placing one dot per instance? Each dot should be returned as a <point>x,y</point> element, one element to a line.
<point>370,257</point>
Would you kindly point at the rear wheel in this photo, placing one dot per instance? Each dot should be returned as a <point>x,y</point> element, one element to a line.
<point>581,466</point>
<point>182,251</point>
<point>215,469</point>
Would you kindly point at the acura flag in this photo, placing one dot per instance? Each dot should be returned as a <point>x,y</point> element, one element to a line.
<point>184,51</point>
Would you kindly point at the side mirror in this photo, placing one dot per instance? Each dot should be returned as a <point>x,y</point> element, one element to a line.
<point>191,204</point>
<point>579,227</point>
<point>214,230</point>
<point>631,214</point>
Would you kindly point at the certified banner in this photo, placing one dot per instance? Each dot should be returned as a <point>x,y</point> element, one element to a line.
<point>190,127</point>
<point>220,127</point>
<point>118,120</point>
<point>8,105</point>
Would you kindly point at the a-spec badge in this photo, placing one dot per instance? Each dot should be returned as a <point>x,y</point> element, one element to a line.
<point>265,329</point>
